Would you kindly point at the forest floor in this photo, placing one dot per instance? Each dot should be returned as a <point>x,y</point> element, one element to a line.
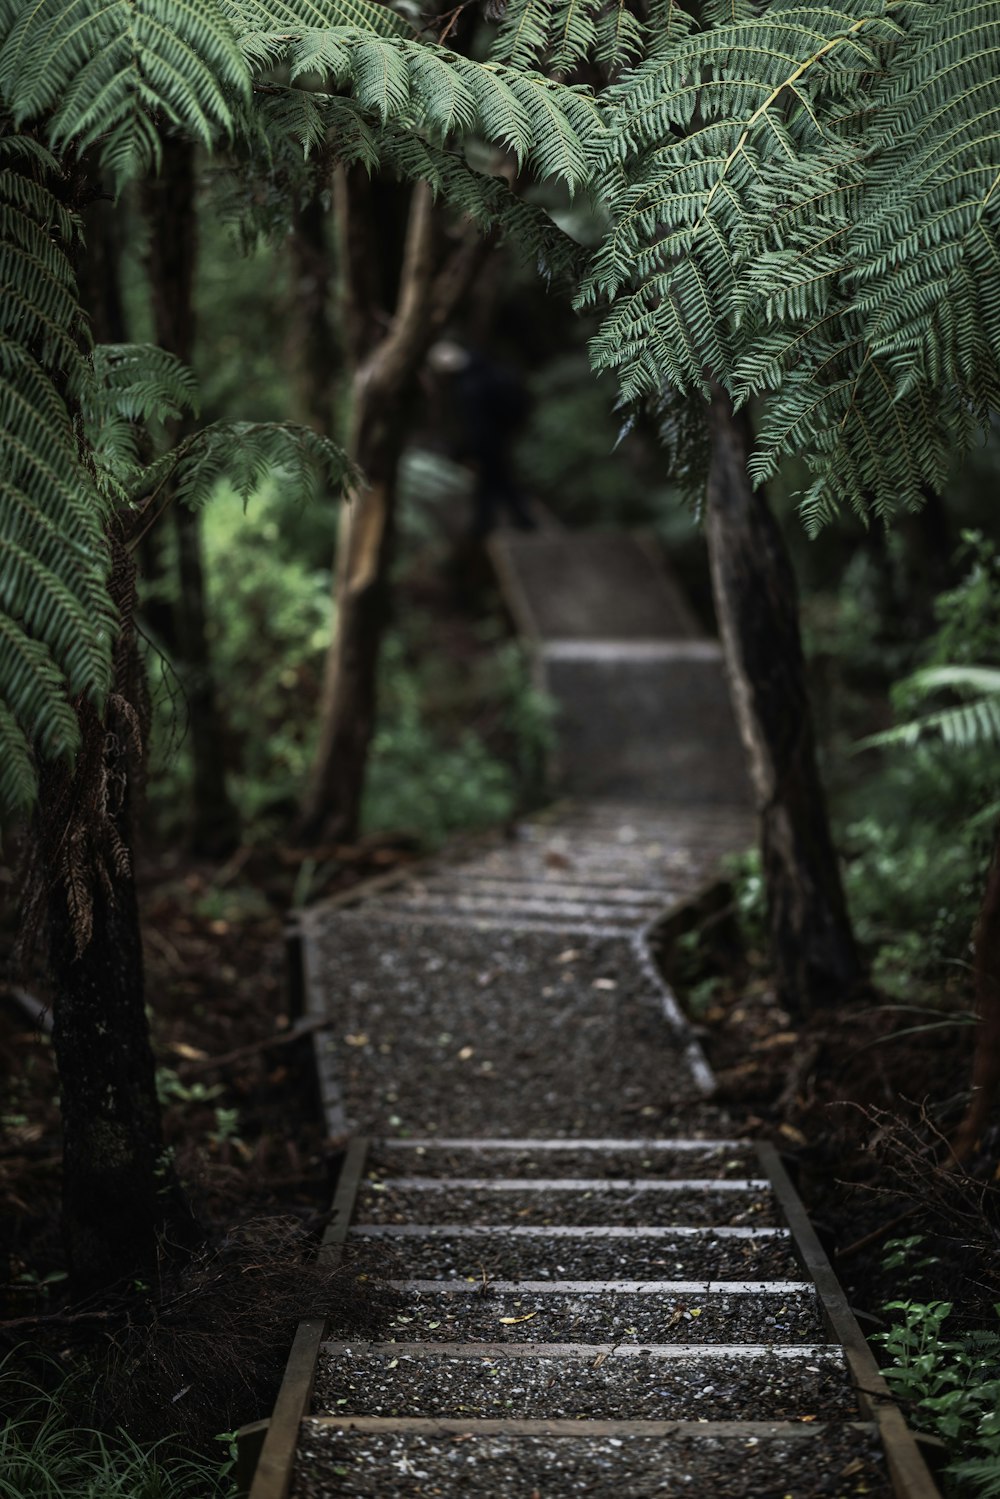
<point>851,1097</point>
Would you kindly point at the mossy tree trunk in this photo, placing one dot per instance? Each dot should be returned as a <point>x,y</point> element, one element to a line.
<point>813,951</point>
<point>385,354</point>
<point>171,211</point>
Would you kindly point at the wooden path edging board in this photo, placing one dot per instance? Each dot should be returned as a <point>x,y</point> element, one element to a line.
<point>272,1476</point>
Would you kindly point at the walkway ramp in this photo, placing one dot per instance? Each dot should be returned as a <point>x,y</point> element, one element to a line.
<point>642,703</point>
<point>595,1287</point>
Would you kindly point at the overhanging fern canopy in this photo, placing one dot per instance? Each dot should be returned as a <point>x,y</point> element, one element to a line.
<point>807,209</point>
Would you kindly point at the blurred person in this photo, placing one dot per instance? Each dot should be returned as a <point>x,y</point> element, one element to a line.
<point>488,405</point>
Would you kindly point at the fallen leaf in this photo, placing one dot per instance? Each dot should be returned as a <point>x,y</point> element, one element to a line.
<point>511,1321</point>
<point>360,1038</point>
<point>392,1363</point>
<point>568,955</point>
<point>604,984</point>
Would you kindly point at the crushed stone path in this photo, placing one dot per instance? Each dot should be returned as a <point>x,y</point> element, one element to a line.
<point>593,1287</point>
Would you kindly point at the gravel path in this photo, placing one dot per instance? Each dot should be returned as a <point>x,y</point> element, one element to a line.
<point>362,1382</point>
<point>559,1222</point>
<point>503,1255</point>
<point>603,1317</point>
<point>827,1464</point>
<point>628,1163</point>
<point>450,1203</point>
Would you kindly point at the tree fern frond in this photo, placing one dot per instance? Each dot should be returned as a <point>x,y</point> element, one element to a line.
<point>18,783</point>
<point>245,454</point>
<point>100,73</point>
<point>832,174</point>
<point>56,623</point>
<point>963,725</point>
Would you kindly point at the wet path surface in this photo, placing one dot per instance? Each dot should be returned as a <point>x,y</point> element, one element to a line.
<point>595,1288</point>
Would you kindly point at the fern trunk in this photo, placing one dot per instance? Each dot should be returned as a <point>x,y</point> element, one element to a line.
<point>170,206</point>
<point>812,945</point>
<point>118,1192</point>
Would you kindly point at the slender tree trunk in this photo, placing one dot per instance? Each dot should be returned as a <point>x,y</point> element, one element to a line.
<point>362,594</point>
<point>170,206</point>
<point>815,959</point>
<point>314,355</point>
<point>432,281</point>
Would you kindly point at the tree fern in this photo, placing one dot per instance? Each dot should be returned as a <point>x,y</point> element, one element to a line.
<point>108,73</point>
<point>56,623</point>
<point>806,210</point>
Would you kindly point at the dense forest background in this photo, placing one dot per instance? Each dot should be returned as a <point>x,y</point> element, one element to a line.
<point>297,289</point>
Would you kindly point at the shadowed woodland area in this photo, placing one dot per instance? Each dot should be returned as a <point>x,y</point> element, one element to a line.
<point>304,303</point>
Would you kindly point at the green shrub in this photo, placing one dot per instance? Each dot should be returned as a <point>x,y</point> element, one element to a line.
<point>949,1387</point>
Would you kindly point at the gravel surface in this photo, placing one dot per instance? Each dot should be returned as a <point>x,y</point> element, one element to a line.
<point>362,1382</point>
<point>823,1465</point>
<point>513,1257</point>
<point>637,1161</point>
<point>445,1029</point>
<point>580,1206</point>
<point>602,1317</point>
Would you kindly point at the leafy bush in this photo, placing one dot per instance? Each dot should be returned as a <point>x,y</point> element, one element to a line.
<point>918,832</point>
<point>949,1387</point>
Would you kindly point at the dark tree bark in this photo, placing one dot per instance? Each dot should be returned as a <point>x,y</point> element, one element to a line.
<point>386,356</point>
<point>170,207</point>
<point>815,959</point>
<point>315,356</point>
<point>121,1199</point>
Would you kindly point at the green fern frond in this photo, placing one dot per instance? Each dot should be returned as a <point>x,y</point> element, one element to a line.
<point>56,623</point>
<point>488,201</point>
<point>245,454</point>
<point>961,726</point>
<point>829,174</point>
<point>18,783</point>
<point>103,73</point>
<point>560,35</point>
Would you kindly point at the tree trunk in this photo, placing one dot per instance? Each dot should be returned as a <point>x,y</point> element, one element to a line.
<point>116,1185</point>
<point>119,1191</point>
<point>431,283</point>
<point>332,808</point>
<point>815,960</point>
<point>314,352</point>
<point>170,206</point>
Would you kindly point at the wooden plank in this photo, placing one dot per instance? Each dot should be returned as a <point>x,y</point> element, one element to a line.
<point>587,1352</point>
<point>604,1287</point>
<point>910,1475</point>
<point>273,1477</point>
<point>760,1431</point>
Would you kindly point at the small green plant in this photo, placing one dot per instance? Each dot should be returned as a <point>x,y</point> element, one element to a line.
<point>45,1454</point>
<point>949,1387</point>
